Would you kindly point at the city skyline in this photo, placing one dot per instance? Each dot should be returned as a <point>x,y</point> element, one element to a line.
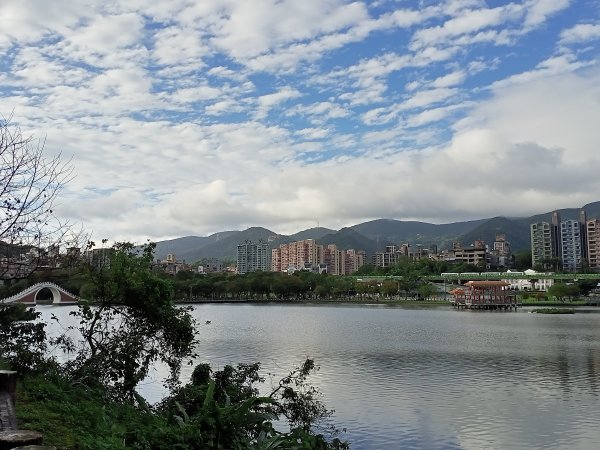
<point>190,118</point>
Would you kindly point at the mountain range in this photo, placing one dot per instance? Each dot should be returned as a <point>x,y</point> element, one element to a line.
<point>371,236</point>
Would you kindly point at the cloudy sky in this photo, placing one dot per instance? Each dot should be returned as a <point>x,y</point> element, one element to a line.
<point>189,117</point>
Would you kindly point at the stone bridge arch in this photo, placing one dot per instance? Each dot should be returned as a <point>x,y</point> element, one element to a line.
<point>29,295</point>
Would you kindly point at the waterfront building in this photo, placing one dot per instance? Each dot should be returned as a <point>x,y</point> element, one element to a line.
<point>332,258</point>
<point>295,254</point>
<point>593,244</point>
<point>390,257</point>
<point>541,243</point>
<point>252,256</point>
<point>571,245</point>
<point>561,241</point>
<point>308,255</point>
<point>352,260</point>
<point>531,281</point>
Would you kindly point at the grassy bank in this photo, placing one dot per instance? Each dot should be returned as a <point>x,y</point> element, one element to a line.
<point>72,416</point>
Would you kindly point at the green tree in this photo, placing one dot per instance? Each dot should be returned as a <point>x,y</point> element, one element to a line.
<point>22,337</point>
<point>128,322</point>
<point>561,291</point>
<point>409,285</point>
<point>523,260</point>
<point>389,288</point>
<point>427,290</point>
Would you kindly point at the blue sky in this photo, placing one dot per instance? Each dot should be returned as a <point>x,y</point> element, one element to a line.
<point>190,117</point>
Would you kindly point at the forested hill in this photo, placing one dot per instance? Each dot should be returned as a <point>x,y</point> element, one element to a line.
<point>371,236</point>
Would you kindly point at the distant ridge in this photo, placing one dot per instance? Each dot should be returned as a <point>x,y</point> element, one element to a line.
<point>371,236</point>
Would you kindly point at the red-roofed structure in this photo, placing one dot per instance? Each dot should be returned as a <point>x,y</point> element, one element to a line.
<point>484,295</point>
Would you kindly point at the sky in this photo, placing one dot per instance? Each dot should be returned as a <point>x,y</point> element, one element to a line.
<point>193,117</point>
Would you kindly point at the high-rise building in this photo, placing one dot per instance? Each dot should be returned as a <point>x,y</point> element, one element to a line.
<point>308,255</point>
<point>332,258</point>
<point>571,245</point>
<point>352,260</point>
<point>296,255</point>
<point>560,241</point>
<point>593,244</point>
<point>252,257</point>
<point>541,243</point>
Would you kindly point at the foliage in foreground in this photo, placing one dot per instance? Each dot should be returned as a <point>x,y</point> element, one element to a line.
<point>22,339</point>
<point>214,411</point>
<point>131,323</point>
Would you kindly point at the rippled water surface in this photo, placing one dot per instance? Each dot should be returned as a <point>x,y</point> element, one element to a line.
<point>425,379</point>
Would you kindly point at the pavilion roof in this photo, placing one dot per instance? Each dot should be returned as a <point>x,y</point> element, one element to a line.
<point>457,291</point>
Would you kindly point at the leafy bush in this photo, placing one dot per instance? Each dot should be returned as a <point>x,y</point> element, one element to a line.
<point>22,338</point>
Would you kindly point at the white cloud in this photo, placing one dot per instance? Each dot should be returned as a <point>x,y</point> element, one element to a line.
<point>582,32</point>
<point>451,79</point>
<point>192,117</point>
<point>178,45</point>
<point>313,133</point>
<point>467,23</point>
<point>269,101</point>
<point>254,28</point>
<point>554,65</point>
<point>320,111</point>
<point>538,11</point>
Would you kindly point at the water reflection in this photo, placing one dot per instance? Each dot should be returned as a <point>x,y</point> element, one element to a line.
<point>420,379</point>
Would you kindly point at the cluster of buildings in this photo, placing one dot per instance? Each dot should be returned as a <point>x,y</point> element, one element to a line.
<point>571,244</point>
<point>477,254</point>
<point>308,255</point>
<point>299,255</point>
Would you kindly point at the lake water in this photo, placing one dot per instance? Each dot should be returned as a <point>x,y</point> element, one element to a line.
<point>424,378</point>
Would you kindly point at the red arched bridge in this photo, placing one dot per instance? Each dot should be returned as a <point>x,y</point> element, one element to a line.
<point>29,295</point>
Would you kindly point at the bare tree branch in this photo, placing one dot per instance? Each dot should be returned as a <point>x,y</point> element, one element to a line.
<point>29,186</point>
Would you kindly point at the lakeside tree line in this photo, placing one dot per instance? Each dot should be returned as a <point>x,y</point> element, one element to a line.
<point>299,286</point>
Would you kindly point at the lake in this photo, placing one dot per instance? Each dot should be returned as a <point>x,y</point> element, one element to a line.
<point>423,378</point>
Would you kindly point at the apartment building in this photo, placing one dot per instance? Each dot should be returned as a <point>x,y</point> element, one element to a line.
<point>352,261</point>
<point>593,244</point>
<point>476,254</point>
<point>304,254</point>
<point>541,243</point>
<point>394,254</point>
<point>561,240</point>
<point>332,258</point>
<point>295,255</point>
<point>252,257</point>
<point>390,257</point>
<point>572,245</point>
